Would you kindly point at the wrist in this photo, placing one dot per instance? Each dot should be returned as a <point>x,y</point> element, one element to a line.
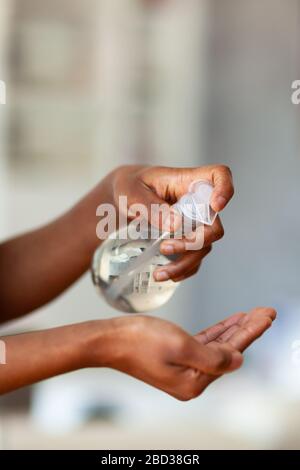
<point>84,219</point>
<point>103,343</point>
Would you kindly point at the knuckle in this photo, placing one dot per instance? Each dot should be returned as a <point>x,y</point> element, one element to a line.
<point>209,249</point>
<point>173,275</point>
<point>248,330</point>
<point>220,232</point>
<point>204,252</point>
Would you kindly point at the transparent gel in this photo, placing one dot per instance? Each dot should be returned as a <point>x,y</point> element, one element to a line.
<point>122,268</point>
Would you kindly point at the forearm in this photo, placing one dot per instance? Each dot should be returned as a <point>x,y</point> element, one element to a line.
<point>38,266</point>
<point>36,356</point>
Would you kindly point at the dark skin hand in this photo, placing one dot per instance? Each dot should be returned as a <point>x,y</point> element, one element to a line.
<point>45,262</point>
<point>161,185</point>
<point>155,351</point>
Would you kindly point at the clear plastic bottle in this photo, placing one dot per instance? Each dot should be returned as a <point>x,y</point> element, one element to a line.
<point>122,268</point>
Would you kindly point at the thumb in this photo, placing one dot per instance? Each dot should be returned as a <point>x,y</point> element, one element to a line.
<point>223,187</point>
<point>147,204</point>
<point>213,359</point>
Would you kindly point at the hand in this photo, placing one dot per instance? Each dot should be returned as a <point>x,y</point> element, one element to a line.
<point>155,351</point>
<point>71,239</point>
<point>161,185</point>
<point>166,357</point>
<point>238,331</point>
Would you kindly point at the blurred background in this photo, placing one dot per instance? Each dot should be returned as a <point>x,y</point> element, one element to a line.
<point>92,84</point>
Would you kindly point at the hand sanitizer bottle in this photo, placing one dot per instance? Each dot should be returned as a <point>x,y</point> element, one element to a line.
<point>122,267</point>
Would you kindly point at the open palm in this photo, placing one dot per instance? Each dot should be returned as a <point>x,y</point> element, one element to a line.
<point>238,331</point>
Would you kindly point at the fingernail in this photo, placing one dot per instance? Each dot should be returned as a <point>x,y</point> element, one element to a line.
<point>168,249</point>
<point>220,202</point>
<point>161,276</point>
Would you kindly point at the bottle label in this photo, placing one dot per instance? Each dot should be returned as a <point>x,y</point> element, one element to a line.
<point>144,283</point>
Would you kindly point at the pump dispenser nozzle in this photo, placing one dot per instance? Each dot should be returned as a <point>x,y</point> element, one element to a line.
<point>195,205</point>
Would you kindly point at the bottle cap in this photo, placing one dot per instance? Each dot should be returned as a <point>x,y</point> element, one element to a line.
<point>195,205</point>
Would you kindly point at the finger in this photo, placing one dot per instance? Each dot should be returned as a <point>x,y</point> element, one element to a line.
<point>260,312</point>
<point>188,274</point>
<point>211,235</point>
<point>192,241</point>
<point>246,335</point>
<point>251,328</point>
<point>248,328</point>
<point>212,359</point>
<point>213,332</point>
<point>172,183</point>
<point>178,268</point>
<point>223,187</point>
<point>226,335</point>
